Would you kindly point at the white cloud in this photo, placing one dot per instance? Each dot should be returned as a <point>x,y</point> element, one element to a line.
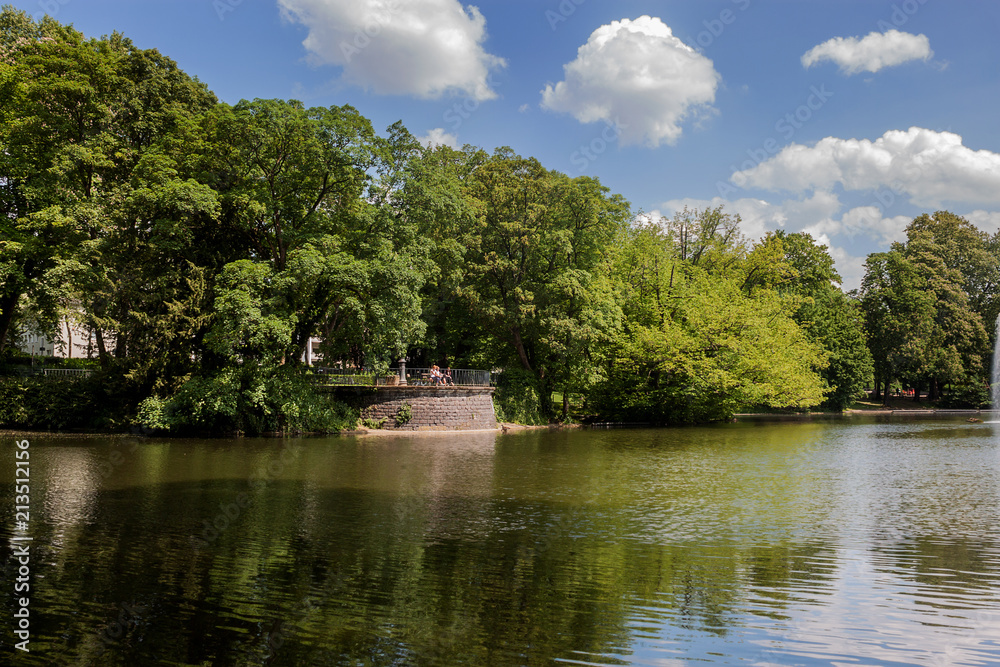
<point>639,77</point>
<point>424,48</point>
<point>867,221</point>
<point>988,221</point>
<point>929,167</point>
<point>870,53</point>
<point>863,228</point>
<point>438,137</point>
<point>757,217</point>
<point>850,267</point>
<point>815,216</point>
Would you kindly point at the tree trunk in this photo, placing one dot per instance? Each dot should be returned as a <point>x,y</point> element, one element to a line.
<point>8,304</point>
<point>102,349</point>
<point>565,415</point>
<point>545,395</point>
<point>519,346</point>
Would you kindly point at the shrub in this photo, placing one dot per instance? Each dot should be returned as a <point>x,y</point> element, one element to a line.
<point>516,398</point>
<point>970,394</point>
<point>54,403</point>
<point>404,414</point>
<point>247,400</point>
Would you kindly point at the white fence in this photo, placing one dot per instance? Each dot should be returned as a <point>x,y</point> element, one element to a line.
<point>75,373</point>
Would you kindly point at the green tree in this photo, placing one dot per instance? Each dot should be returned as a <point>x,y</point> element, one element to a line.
<point>704,335</point>
<point>718,352</point>
<point>538,277</point>
<point>311,193</point>
<point>35,238</point>
<point>97,150</point>
<point>963,247</point>
<point>437,198</point>
<point>899,317</point>
<point>924,303</point>
<point>957,348</point>
<point>828,316</point>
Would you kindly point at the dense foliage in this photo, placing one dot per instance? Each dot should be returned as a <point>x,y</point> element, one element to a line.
<point>926,303</point>
<point>203,244</point>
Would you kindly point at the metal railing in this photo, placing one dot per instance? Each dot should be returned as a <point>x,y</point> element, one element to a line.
<point>349,377</point>
<point>415,377</point>
<point>67,372</point>
<point>456,377</point>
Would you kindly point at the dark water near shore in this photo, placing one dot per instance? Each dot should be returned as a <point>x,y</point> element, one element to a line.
<point>864,541</point>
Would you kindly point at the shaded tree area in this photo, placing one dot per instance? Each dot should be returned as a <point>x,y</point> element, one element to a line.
<point>200,244</point>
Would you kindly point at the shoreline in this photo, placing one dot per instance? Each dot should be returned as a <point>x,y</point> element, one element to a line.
<point>873,411</point>
<point>501,428</point>
<point>504,427</point>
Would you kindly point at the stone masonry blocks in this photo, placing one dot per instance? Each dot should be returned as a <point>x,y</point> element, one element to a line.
<point>431,408</point>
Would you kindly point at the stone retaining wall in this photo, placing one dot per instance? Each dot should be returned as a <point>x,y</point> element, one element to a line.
<point>431,408</point>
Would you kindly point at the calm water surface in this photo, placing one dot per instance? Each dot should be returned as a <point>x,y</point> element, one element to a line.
<point>851,542</point>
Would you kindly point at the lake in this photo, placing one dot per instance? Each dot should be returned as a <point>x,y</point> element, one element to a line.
<point>860,540</point>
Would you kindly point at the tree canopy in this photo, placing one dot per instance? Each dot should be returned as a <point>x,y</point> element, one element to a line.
<point>202,245</point>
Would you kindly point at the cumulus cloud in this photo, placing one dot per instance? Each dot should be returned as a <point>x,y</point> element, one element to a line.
<point>639,77</point>
<point>424,48</point>
<point>864,220</point>
<point>988,221</point>
<point>929,167</point>
<point>438,137</point>
<point>870,53</point>
<point>850,267</point>
<point>817,216</point>
<point>757,216</point>
<point>823,217</point>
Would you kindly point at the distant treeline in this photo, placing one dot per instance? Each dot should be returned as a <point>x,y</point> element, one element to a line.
<point>204,243</point>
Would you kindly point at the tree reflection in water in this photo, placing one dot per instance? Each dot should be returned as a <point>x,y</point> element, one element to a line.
<point>768,543</point>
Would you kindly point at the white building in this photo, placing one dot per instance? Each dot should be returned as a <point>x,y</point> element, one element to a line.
<point>79,343</point>
<point>76,343</point>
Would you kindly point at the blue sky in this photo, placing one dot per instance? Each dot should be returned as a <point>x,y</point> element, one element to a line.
<point>842,118</point>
